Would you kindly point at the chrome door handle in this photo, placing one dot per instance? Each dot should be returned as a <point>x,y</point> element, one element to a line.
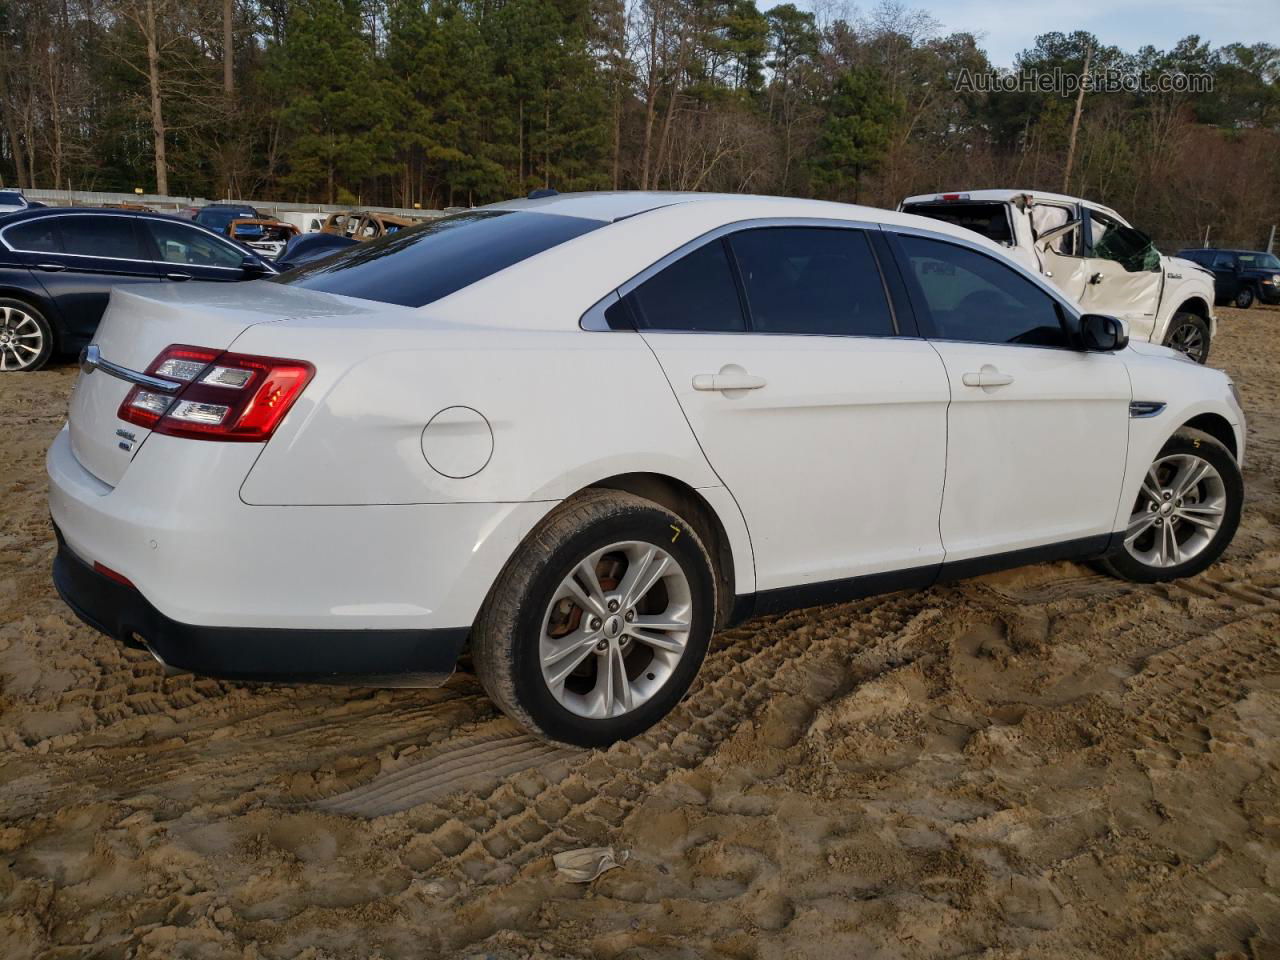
<point>177,276</point>
<point>51,267</point>
<point>988,376</point>
<point>727,380</point>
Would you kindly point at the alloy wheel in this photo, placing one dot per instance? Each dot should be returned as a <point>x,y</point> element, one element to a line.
<point>21,339</point>
<point>1179,510</point>
<point>1189,340</point>
<point>615,629</point>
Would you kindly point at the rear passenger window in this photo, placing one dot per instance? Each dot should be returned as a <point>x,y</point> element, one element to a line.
<point>695,293</point>
<point>36,236</point>
<point>974,297</point>
<point>812,280</point>
<point>111,237</point>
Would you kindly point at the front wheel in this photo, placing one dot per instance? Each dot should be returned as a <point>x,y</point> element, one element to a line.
<point>599,622</point>
<point>1186,513</point>
<point>1244,299</point>
<point>1189,334</point>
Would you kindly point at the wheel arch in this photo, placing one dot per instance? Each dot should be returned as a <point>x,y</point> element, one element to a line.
<point>1216,426</point>
<point>1195,305</point>
<point>690,504</point>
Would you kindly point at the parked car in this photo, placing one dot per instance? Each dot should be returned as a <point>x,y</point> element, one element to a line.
<point>1094,256</point>
<point>306,247</point>
<point>263,235</point>
<point>365,226</point>
<point>580,433</point>
<point>58,266</point>
<point>1240,276</point>
<point>12,201</point>
<point>218,216</point>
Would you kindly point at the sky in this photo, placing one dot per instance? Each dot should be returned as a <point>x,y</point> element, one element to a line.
<point>1006,28</point>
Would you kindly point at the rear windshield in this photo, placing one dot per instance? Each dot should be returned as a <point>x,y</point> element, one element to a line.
<point>12,198</point>
<point>421,264</point>
<point>219,218</point>
<point>989,219</point>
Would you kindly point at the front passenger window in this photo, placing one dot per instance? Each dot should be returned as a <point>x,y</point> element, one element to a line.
<point>180,244</point>
<point>973,297</point>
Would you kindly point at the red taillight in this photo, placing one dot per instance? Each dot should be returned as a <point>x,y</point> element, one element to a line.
<point>226,396</point>
<point>951,197</point>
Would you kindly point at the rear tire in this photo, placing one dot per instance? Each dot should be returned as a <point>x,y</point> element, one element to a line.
<point>26,339</point>
<point>1173,516</point>
<point>570,602</point>
<point>1189,334</point>
<point>1244,299</point>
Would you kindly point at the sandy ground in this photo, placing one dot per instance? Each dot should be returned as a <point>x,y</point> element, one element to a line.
<point>1038,763</point>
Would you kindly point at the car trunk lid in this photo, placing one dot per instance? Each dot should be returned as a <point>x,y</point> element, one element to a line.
<point>138,325</point>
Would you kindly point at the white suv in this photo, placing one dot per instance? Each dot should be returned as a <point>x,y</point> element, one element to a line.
<point>1094,256</point>
<point>580,433</point>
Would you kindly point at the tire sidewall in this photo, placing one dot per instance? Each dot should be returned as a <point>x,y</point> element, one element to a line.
<point>1222,461</point>
<point>46,330</point>
<point>652,525</point>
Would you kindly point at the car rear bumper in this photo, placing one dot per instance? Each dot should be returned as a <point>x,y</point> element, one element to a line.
<point>417,658</point>
<point>225,588</point>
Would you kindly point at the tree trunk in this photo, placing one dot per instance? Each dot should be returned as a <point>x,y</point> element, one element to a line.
<point>546,143</point>
<point>157,114</point>
<point>650,100</point>
<point>1075,123</point>
<point>11,128</point>
<point>228,42</point>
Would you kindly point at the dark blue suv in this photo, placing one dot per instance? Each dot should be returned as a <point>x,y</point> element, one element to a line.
<point>1239,276</point>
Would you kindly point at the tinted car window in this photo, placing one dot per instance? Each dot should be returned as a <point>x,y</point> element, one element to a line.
<point>974,297</point>
<point>111,237</point>
<point>1224,261</point>
<point>696,293</point>
<point>40,236</point>
<point>421,264</point>
<point>812,280</point>
<point>12,198</point>
<point>219,218</point>
<point>177,243</point>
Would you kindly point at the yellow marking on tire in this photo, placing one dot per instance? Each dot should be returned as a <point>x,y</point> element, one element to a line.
<point>676,536</point>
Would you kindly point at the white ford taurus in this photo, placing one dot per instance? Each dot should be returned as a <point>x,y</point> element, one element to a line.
<point>577,434</point>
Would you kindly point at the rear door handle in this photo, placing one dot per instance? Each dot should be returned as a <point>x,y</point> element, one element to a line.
<point>177,276</point>
<point>727,380</point>
<point>988,376</point>
<point>51,267</point>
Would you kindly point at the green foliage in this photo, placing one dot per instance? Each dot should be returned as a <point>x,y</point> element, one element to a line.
<point>855,133</point>
<point>335,104</point>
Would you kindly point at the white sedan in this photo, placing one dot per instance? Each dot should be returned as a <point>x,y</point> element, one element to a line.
<point>578,434</point>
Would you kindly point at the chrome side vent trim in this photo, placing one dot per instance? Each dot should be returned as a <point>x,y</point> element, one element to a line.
<point>1145,408</point>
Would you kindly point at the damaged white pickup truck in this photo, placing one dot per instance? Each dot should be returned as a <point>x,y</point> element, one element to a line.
<point>1094,256</point>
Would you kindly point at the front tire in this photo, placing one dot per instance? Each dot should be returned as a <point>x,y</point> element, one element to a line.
<point>1186,512</point>
<point>1189,334</point>
<point>1244,299</point>
<point>599,622</point>
<point>26,339</point>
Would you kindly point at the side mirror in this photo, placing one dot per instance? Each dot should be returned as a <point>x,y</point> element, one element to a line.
<point>1102,333</point>
<point>255,267</point>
